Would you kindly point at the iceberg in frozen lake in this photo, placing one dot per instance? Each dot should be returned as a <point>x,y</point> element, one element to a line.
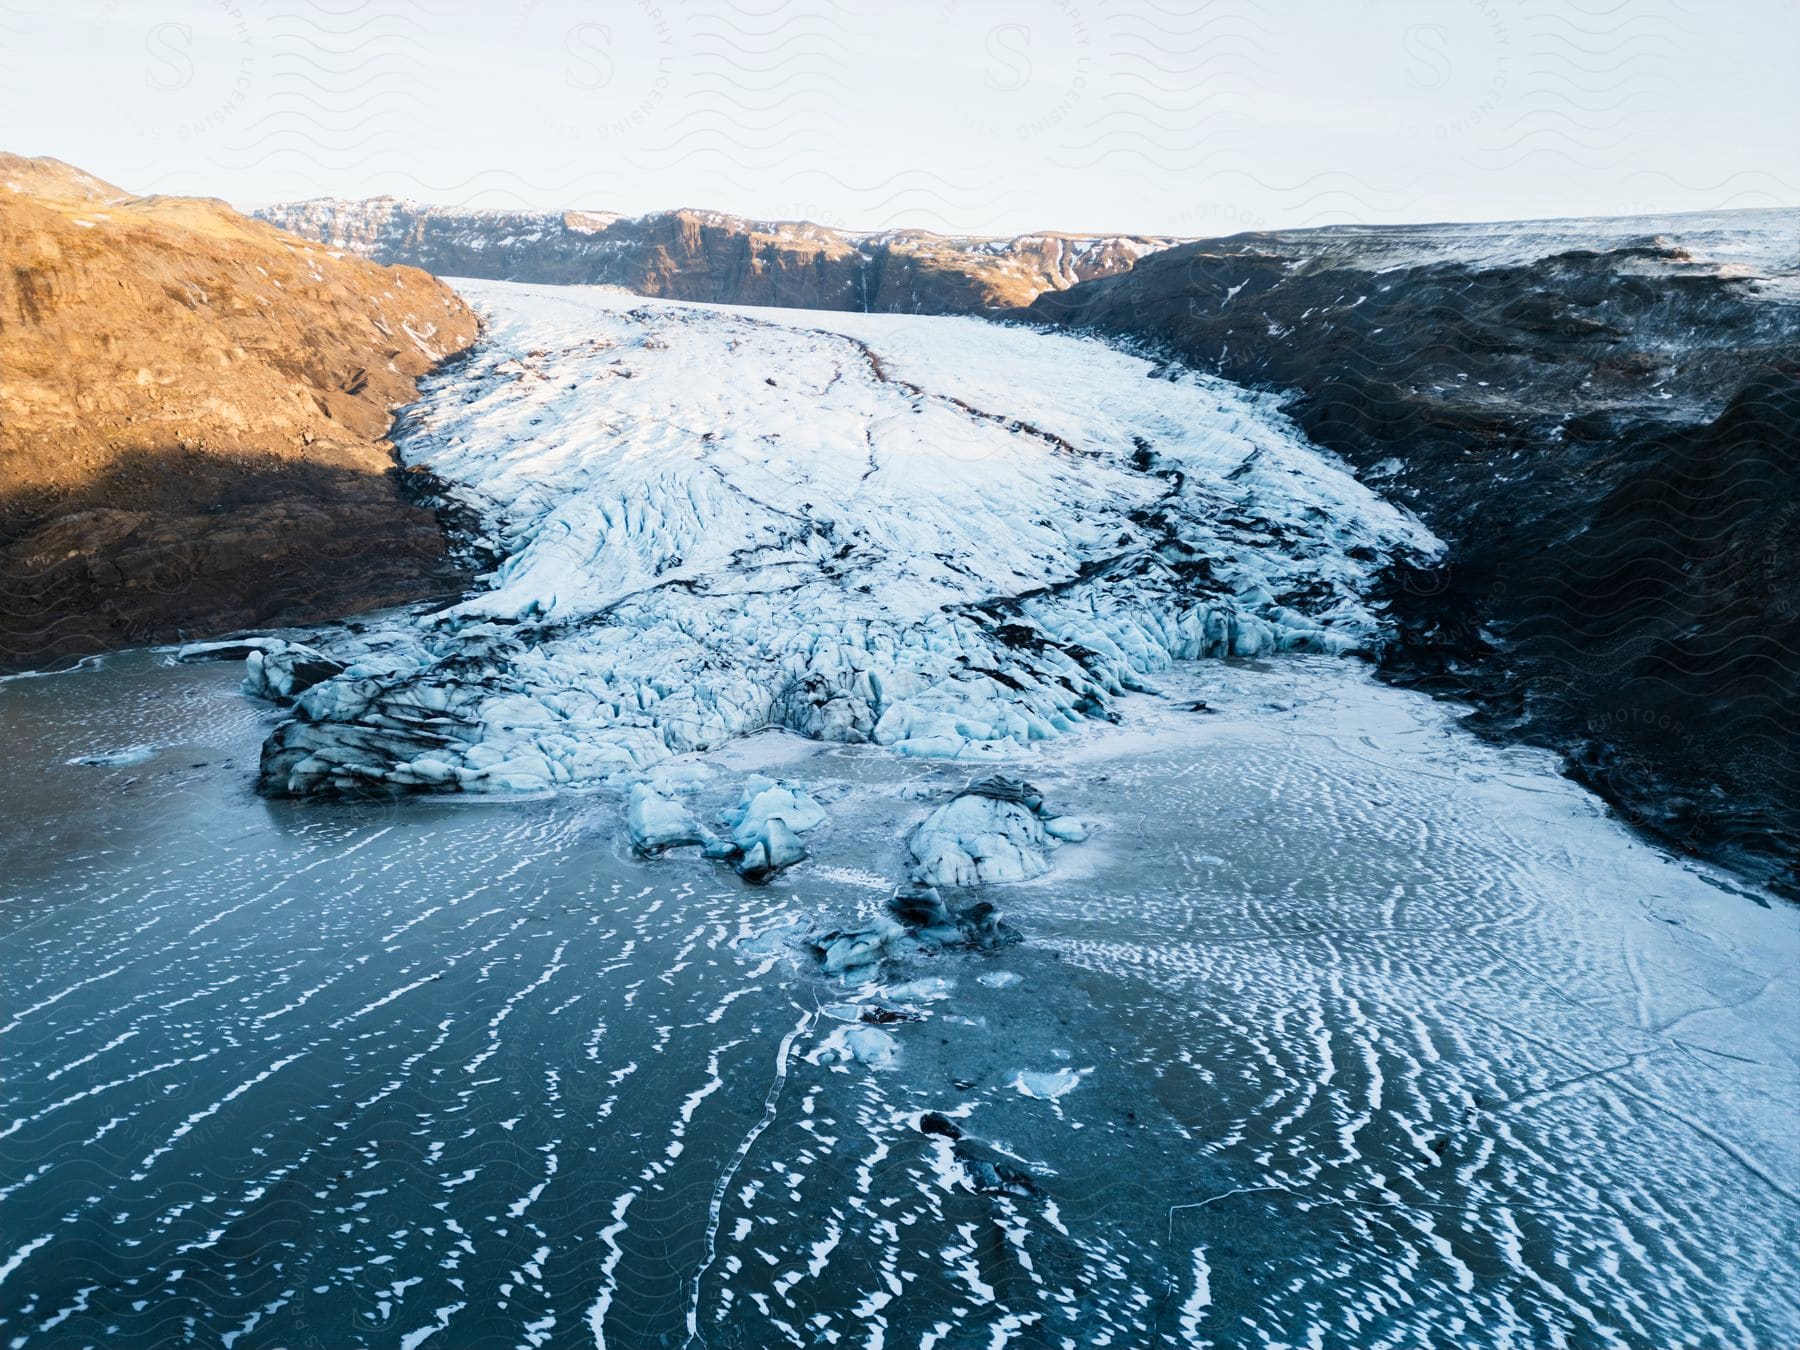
<point>656,822</point>
<point>767,824</point>
<point>945,536</point>
<point>996,830</point>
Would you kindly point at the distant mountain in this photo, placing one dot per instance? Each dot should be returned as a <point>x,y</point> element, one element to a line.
<point>193,411</point>
<point>724,259</point>
<point>1603,418</point>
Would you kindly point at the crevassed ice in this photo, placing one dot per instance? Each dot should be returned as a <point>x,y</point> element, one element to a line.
<point>943,535</point>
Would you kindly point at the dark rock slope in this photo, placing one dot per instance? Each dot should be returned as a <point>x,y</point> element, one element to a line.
<point>193,412</point>
<point>1603,418</point>
<point>710,256</point>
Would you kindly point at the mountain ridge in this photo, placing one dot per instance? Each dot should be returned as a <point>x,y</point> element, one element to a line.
<point>691,253</point>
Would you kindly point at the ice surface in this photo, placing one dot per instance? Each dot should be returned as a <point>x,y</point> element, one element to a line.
<point>1443,1057</point>
<point>946,536</point>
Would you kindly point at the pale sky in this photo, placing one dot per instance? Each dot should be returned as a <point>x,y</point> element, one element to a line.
<point>1190,117</point>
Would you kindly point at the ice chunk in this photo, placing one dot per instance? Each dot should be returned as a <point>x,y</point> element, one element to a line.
<point>975,840</point>
<point>680,780</point>
<point>991,1172</point>
<point>920,908</point>
<point>230,649</point>
<point>767,824</point>
<point>1049,1086</point>
<point>781,844</point>
<point>926,989</point>
<point>996,829</point>
<point>657,822</point>
<point>855,954</point>
<point>857,1044</point>
<point>1000,979</point>
<point>764,800</point>
<point>755,865</point>
<point>768,941</point>
<point>281,671</point>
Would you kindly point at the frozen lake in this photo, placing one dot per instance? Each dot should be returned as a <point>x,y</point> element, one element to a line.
<point>1342,1030</point>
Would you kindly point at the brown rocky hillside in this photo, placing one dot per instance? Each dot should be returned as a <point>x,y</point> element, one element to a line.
<point>193,406</point>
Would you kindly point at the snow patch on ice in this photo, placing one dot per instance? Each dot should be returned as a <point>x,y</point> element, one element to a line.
<point>115,759</point>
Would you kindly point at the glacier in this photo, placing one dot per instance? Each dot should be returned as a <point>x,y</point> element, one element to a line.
<point>951,538</point>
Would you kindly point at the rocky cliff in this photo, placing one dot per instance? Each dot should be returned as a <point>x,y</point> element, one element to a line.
<point>709,256</point>
<point>193,408</point>
<point>1603,417</point>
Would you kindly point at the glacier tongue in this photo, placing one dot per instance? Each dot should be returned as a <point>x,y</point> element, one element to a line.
<point>946,536</point>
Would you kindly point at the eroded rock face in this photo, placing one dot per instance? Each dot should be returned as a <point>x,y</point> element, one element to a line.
<point>193,408</point>
<point>723,259</point>
<point>1603,418</point>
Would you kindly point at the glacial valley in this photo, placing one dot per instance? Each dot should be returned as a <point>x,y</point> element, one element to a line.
<point>901,844</point>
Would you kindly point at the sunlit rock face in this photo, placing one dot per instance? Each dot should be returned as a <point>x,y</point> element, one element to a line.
<point>193,418</point>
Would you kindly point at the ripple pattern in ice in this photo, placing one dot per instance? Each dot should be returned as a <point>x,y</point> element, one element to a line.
<point>1342,1030</point>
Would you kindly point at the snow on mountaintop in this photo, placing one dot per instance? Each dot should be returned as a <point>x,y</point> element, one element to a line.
<point>1766,238</point>
<point>948,537</point>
